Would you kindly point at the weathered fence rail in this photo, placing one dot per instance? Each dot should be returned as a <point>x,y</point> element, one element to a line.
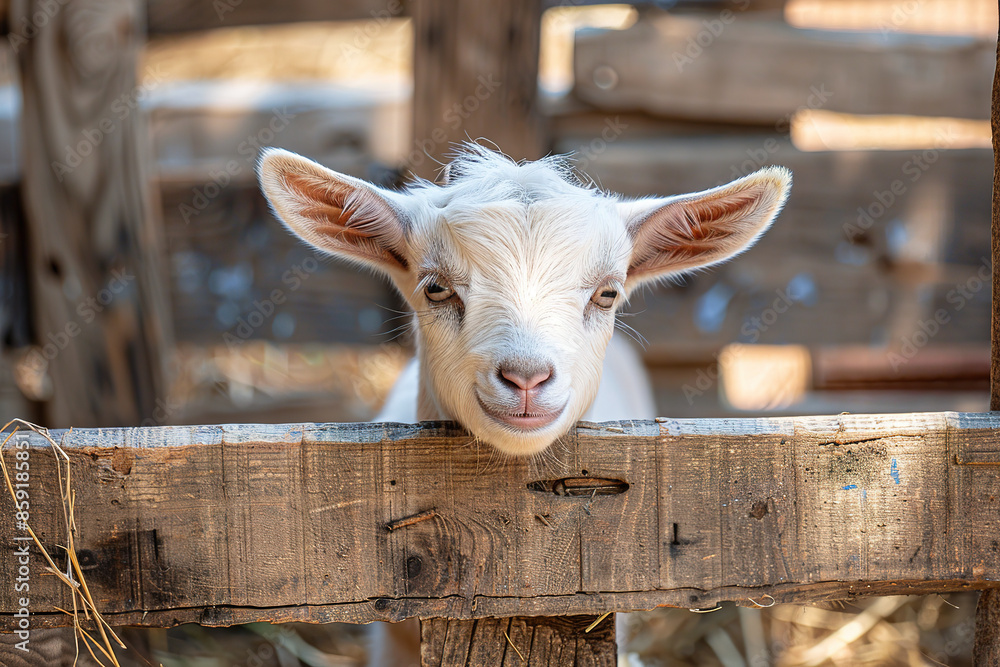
<point>362,522</point>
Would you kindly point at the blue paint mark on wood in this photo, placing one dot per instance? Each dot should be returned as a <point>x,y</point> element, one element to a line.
<point>850,487</point>
<point>894,471</point>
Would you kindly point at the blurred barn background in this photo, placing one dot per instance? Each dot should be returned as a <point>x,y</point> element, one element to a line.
<point>870,294</point>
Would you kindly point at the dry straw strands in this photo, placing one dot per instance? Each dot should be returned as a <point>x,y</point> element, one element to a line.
<point>73,576</point>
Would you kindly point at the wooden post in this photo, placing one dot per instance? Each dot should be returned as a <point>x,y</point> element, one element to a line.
<point>629,515</point>
<point>475,76</point>
<point>101,307</point>
<point>986,649</point>
<point>557,641</point>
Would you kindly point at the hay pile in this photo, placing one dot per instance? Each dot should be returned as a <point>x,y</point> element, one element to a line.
<point>898,631</point>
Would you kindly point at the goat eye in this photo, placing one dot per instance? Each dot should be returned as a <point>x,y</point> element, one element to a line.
<point>604,297</point>
<point>437,292</point>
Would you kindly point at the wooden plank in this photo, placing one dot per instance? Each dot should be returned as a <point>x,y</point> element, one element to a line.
<point>834,240</point>
<point>475,76</point>
<point>955,368</point>
<point>560,642</point>
<point>207,132</point>
<point>102,319</point>
<point>229,255</point>
<point>696,67</point>
<point>176,16</point>
<point>236,274</point>
<point>228,524</point>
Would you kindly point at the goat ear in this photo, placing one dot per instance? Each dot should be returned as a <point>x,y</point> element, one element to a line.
<point>677,234</point>
<point>336,213</point>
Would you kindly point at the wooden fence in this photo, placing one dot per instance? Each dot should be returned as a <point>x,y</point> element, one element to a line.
<point>360,522</point>
<point>229,524</point>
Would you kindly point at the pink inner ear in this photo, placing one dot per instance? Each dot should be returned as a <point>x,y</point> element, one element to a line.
<point>350,219</point>
<point>687,234</point>
<point>726,209</point>
<point>320,202</point>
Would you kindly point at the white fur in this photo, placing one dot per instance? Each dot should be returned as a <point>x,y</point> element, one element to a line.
<point>525,248</point>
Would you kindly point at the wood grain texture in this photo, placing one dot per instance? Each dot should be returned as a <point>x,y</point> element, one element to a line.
<point>475,75</point>
<point>102,319</point>
<point>672,66</point>
<point>227,524</point>
<point>559,642</point>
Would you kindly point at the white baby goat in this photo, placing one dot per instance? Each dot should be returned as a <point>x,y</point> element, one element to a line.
<point>515,273</point>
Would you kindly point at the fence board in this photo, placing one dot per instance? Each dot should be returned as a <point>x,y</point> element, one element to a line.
<point>227,524</point>
<point>674,66</point>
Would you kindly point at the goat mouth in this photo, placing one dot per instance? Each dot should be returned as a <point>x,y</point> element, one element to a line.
<point>531,421</point>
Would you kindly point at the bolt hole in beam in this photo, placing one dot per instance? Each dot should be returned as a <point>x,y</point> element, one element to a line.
<point>580,486</point>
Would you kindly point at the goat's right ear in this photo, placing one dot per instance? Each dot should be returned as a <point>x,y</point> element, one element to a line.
<point>336,213</point>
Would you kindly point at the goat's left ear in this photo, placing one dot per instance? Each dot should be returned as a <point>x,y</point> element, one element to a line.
<point>677,234</point>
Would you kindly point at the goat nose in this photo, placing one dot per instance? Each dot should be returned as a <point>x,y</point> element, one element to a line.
<point>525,379</point>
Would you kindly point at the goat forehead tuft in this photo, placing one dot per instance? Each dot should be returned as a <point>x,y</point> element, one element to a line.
<point>478,175</point>
<point>496,217</point>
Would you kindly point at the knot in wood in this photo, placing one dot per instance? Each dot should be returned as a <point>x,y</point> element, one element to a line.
<point>759,509</point>
<point>413,567</point>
